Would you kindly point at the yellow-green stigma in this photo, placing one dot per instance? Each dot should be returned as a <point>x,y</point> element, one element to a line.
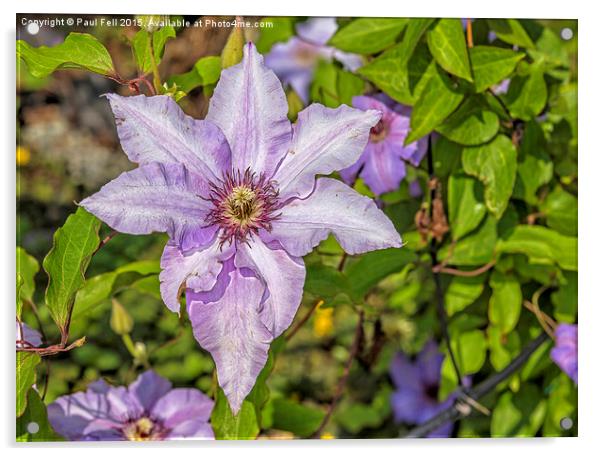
<point>141,429</point>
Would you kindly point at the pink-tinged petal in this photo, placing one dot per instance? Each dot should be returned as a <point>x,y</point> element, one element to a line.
<point>232,331</point>
<point>155,198</point>
<point>148,388</point>
<point>350,61</point>
<point>284,277</point>
<point>181,405</point>
<point>155,129</point>
<point>383,170</point>
<point>317,30</point>
<point>355,221</point>
<point>29,335</point>
<point>197,270</point>
<point>350,174</point>
<point>124,404</point>
<point>192,429</point>
<point>324,140</point>
<point>250,107</point>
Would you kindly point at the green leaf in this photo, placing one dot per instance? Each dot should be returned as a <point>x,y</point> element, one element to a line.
<point>79,51</point>
<point>503,348</point>
<point>233,50</point>
<point>541,245</point>
<point>462,292</point>
<point>447,156</point>
<point>35,414</point>
<point>353,417</point>
<point>506,301</point>
<point>494,164</point>
<point>491,65</point>
<point>527,95</point>
<point>101,287</point>
<point>511,31</point>
<point>465,204</point>
<point>206,71</point>
<point>565,299</point>
<point>324,281</point>
<point>324,86</point>
<point>348,86</point>
<point>470,349</point>
<point>142,47</point>
<point>73,246</point>
<point>282,29</point>
<point>27,268</point>
<point>372,267</point>
<point>403,71</point>
<point>437,101</point>
<point>560,210</point>
<point>291,416</point>
<point>473,250</point>
<point>562,403</point>
<point>472,124</point>
<point>368,35</point>
<point>447,43</point>
<point>518,415</point>
<point>535,167</point>
<point>26,377</point>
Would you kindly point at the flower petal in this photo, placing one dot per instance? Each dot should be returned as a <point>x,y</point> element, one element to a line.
<point>317,30</point>
<point>149,388</point>
<point>181,405</point>
<point>155,197</point>
<point>383,170</point>
<point>250,107</point>
<point>324,140</point>
<point>429,363</point>
<point>155,129</point>
<point>198,270</point>
<point>333,207</point>
<point>231,329</point>
<point>283,276</point>
<point>192,429</point>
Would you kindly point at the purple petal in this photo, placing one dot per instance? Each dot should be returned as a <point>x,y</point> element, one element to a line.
<point>232,331</point>
<point>407,404</point>
<point>429,363</point>
<point>565,351</point>
<point>155,197</point>
<point>250,107</point>
<point>351,62</point>
<point>284,277</point>
<point>29,335</point>
<point>192,429</point>
<point>356,222</point>
<point>198,270</point>
<point>149,388</point>
<point>324,140</point>
<point>383,169</point>
<point>317,30</point>
<point>124,404</point>
<point>155,129</point>
<point>404,373</point>
<point>350,174</point>
<point>181,405</point>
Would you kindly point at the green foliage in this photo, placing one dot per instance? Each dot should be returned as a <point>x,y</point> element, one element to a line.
<point>149,46</point>
<point>291,416</point>
<point>511,31</point>
<point>491,65</point>
<point>73,246</point>
<point>233,50</point>
<point>26,377</point>
<point>282,30</point>
<point>27,268</point>
<point>368,35</point>
<point>80,51</point>
<point>519,415</point>
<point>560,210</point>
<point>465,204</point>
<point>527,94</point>
<point>506,301</point>
<point>35,418</point>
<point>447,44</point>
<point>473,123</point>
<point>206,72</point>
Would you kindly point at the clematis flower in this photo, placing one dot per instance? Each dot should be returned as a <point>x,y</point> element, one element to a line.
<point>564,353</point>
<point>382,164</point>
<point>238,196</point>
<point>26,336</point>
<point>148,409</point>
<point>417,387</point>
<point>294,62</point>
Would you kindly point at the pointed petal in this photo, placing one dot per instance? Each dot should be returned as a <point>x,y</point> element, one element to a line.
<point>358,225</point>
<point>149,388</point>
<point>192,429</point>
<point>324,140</point>
<point>197,270</point>
<point>231,329</point>
<point>181,405</point>
<point>384,170</point>
<point>429,363</point>
<point>250,107</point>
<point>317,30</point>
<point>155,129</point>
<point>284,277</point>
<point>155,198</point>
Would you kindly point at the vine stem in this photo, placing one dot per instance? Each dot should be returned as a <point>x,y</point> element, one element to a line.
<point>343,380</point>
<point>440,268</point>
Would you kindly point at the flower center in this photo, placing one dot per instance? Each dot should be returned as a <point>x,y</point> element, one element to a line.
<point>242,205</point>
<point>142,429</point>
<point>378,132</point>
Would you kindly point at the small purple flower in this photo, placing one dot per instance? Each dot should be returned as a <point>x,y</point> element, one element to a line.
<point>148,409</point>
<point>382,165</point>
<point>417,386</point>
<point>27,337</point>
<point>501,88</point>
<point>238,196</point>
<point>294,62</point>
<point>564,353</point>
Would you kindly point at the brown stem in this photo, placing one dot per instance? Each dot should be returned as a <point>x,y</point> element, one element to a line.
<point>104,242</point>
<point>342,262</point>
<point>457,272</point>
<point>469,41</point>
<point>343,380</point>
<point>303,320</point>
<point>52,349</point>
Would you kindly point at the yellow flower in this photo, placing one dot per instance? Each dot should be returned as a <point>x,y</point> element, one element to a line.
<point>327,436</point>
<point>23,155</point>
<point>323,325</point>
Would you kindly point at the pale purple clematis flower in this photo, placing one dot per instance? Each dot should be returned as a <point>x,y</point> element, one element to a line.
<point>501,88</point>
<point>382,164</point>
<point>27,337</point>
<point>148,409</point>
<point>294,62</point>
<point>417,387</point>
<point>564,353</point>
<point>238,196</point>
